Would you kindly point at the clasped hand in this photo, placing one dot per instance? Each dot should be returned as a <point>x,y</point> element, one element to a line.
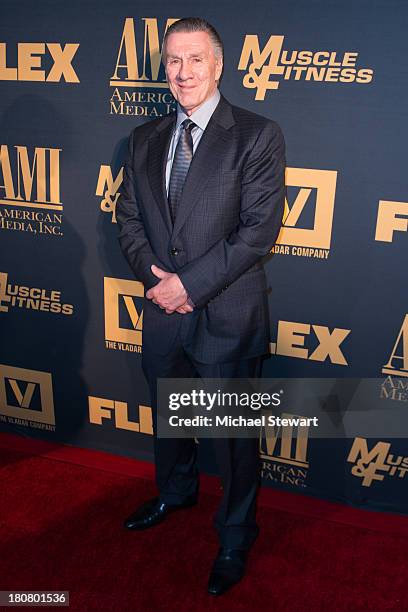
<point>169,293</point>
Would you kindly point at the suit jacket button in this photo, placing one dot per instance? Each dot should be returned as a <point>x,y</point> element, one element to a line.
<point>174,251</point>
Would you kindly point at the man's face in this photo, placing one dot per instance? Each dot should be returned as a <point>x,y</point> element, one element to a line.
<point>192,69</point>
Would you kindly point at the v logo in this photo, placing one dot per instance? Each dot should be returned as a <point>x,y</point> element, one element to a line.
<point>137,320</point>
<point>306,180</point>
<point>23,400</point>
<point>114,290</point>
<point>291,215</point>
<point>26,385</point>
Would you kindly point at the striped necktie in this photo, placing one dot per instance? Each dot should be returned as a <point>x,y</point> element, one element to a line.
<point>181,163</point>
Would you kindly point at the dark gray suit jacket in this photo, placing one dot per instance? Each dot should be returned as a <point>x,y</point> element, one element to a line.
<point>228,218</point>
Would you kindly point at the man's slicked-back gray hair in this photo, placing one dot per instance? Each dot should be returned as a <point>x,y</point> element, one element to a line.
<point>196,24</point>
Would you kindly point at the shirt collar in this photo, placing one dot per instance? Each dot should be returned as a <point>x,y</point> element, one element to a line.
<point>202,115</point>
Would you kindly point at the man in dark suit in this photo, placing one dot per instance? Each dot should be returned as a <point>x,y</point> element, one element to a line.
<point>201,204</point>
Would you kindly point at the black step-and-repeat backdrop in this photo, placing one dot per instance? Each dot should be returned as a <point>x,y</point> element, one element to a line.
<point>76,78</point>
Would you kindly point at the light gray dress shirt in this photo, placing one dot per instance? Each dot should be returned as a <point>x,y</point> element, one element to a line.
<point>201,118</point>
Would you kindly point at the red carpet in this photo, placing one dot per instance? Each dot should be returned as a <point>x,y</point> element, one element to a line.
<point>61,529</point>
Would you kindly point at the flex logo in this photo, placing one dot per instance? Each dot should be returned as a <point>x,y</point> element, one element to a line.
<point>266,67</point>
<point>397,364</point>
<point>26,396</point>
<point>392,217</point>
<point>123,314</point>
<point>101,408</point>
<point>376,463</point>
<point>291,339</point>
<point>107,188</point>
<point>308,216</point>
<point>29,62</point>
<point>283,451</point>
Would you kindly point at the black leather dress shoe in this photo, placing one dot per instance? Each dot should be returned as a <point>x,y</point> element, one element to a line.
<point>153,512</point>
<point>228,569</point>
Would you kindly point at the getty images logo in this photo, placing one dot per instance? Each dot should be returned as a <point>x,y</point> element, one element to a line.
<point>264,68</point>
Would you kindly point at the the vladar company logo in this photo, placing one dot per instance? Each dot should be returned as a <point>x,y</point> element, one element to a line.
<point>283,452</point>
<point>26,398</point>
<point>31,298</point>
<point>30,196</point>
<point>266,67</point>
<point>376,463</point>
<point>138,78</point>
<point>123,301</point>
<point>308,216</point>
<point>30,67</point>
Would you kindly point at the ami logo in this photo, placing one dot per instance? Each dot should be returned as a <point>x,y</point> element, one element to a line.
<point>397,364</point>
<point>138,62</point>
<point>31,177</point>
<point>283,452</point>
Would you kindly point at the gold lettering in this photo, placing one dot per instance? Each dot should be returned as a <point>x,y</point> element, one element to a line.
<point>28,59</point>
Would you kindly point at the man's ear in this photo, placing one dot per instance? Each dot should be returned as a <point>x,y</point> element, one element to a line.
<point>218,69</point>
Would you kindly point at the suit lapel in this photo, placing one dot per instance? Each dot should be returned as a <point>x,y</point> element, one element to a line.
<point>158,147</point>
<point>213,146</point>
